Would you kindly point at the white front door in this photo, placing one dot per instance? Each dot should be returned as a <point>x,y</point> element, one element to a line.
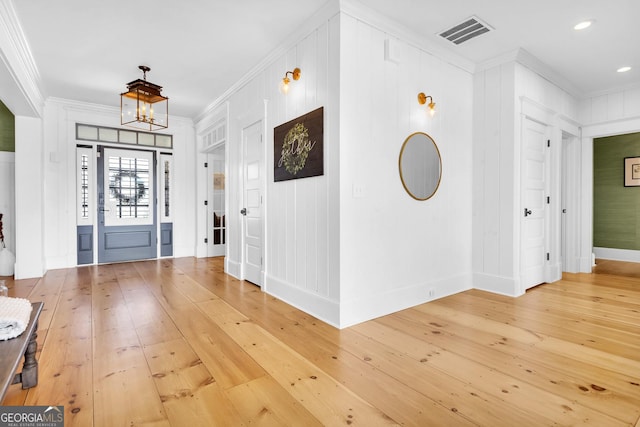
<point>253,175</point>
<point>534,203</point>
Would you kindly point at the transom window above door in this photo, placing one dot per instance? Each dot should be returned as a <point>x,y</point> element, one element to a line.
<point>121,136</point>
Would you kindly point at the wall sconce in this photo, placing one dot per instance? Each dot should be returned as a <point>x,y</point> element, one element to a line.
<point>295,75</point>
<point>422,99</point>
<point>142,106</point>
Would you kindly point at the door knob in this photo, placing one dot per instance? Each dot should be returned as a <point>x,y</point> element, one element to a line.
<point>243,211</point>
<point>527,212</point>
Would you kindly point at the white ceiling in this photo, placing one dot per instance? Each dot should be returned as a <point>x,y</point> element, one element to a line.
<point>197,49</point>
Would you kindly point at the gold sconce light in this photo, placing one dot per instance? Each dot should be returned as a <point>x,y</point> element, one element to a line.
<point>142,106</point>
<point>422,99</point>
<point>295,75</point>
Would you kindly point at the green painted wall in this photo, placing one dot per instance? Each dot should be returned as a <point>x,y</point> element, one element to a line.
<point>616,208</point>
<point>7,129</point>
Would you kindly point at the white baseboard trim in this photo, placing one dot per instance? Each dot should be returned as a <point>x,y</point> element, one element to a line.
<point>58,262</point>
<point>318,306</point>
<point>586,264</point>
<point>182,251</point>
<point>553,272</point>
<point>508,286</point>
<point>367,307</point>
<point>617,254</point>
<point>232,268</point>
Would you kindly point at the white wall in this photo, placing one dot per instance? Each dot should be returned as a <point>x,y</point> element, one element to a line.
<point>30,208</point>
<point>494,159</point>
<point>394,249</point>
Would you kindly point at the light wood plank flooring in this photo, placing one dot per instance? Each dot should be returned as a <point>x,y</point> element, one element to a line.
<point>179,343</point>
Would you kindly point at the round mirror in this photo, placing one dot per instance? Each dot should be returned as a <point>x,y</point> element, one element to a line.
<point>420,166</point>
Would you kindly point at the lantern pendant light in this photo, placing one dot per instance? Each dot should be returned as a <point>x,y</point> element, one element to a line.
<point>142,106</point>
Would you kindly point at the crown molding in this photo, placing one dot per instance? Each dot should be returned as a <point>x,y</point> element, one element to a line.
<point>526,59</point>
<point>361,12</point>
<point>107,111</point>
<point>356,10</point>
<point>324,14</point>
<point>15,54</point>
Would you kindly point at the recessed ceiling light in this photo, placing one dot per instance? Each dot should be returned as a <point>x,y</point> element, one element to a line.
<point>582,25</point>
<point>623,69</point>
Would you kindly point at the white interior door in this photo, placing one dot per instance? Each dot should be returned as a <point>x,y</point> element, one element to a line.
<point>563,203</point>
<point>253,175</point>
<point>534,203</point>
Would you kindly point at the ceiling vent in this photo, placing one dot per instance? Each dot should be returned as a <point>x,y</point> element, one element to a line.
<point>470,28</point>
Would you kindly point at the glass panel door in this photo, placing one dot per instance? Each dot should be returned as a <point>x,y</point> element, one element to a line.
<point>129,180</point>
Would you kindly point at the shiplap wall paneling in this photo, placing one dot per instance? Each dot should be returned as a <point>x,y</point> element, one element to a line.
<point>60,190</point>
<point>275,196</point>
<point>329,224</point>
<point>609,107</point>
<point>493,183</point>
<point>301,228</point>
<point>245,107</point>
<point>29,198</point>
<point>497,160</point>
<point>453,132</point>
<point>313,197</point>
<point>509,169</point>
<point>304,189</point>
<point>631,103</point>
<point>395,249</point>
<point>479,154</point>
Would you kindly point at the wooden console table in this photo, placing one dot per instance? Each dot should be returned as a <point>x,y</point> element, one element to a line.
<point>13,350</point>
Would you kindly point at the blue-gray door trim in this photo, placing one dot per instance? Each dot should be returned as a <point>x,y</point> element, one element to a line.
<point>85,244</point>
<point>166,239</point>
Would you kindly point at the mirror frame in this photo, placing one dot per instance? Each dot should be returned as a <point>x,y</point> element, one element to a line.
<point>404,184</point>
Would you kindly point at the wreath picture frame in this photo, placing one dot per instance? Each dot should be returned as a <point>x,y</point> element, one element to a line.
<point>632,171</point>
<point>298,147</point>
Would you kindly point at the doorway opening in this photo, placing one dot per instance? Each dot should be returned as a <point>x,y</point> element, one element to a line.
<point>216,204</point>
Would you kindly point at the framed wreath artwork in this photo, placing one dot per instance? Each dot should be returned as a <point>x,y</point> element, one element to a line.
<point>298,148</point>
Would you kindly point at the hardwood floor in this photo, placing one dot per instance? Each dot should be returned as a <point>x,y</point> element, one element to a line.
<point>179,343</point>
